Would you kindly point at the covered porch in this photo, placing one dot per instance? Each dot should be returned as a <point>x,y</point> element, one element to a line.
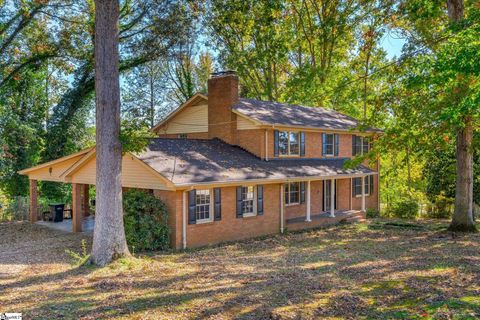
<point>328,201</point>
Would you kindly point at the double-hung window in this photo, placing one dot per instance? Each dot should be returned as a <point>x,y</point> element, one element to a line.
<point>360,145</point>
<point>203,206</point>
<point>248,201</point>
<point>292,193</point>
<point>330,144</point>
<point>357,186</point>
<point>289,143</point>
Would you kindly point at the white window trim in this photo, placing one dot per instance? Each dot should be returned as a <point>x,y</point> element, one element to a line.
<point>333,145</point>
<point>287,187</point>
<point>211,205</point>
<point>289,154</point>
<point>367,194</point>
<point>361,146</point>
<point>255,200</point>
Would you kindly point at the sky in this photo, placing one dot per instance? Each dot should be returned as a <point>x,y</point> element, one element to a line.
<point>392,44</point>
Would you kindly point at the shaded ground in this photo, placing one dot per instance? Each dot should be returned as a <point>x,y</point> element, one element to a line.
<point>375,270</point>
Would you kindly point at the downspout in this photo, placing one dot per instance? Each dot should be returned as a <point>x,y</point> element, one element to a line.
<point>266,144</point>
<point>184,219</point>
<point>281,207</point>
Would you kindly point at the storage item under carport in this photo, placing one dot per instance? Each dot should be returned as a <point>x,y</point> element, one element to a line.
<point>57,211</point>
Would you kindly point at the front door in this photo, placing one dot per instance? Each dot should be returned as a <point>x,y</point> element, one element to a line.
<point>327,195</point>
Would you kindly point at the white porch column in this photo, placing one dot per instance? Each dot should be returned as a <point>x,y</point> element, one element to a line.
<point>363,194</point>
<point>184,220</point>
<point>332,198</point>
<point>308,202</point>
<point>282,205</point>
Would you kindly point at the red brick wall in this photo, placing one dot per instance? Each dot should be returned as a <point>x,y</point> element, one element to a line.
<point>222,94</point>
<point>313,144</point>
<point>252,140</point>
<point>173,201</point>
<point>232,228</point>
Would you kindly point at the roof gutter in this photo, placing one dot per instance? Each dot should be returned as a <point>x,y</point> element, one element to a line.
<point>183,186</point>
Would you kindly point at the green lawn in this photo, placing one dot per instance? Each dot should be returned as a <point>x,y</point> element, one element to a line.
<point>381,269</point>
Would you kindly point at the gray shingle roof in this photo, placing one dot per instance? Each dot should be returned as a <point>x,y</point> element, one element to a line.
<point>274,113</point>
<point>203,161</point>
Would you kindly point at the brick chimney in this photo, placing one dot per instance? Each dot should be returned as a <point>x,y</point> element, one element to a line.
<point>222,95</point>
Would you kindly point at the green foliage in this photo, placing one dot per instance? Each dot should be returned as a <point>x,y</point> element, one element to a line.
<point>372,213</point>
<point>81,258</point>
<point>145,219</point>
<point>405,209</point>
<point>441,208</point>
<point>134,136</point>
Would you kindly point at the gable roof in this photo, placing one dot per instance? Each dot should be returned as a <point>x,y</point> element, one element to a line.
<point>196,98</point>
<point>274,113</point>
<point>190,162</point>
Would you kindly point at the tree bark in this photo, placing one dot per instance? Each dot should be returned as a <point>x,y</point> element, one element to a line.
<point>462,219</point>
<point>463,215</point>
<point>109,241</point>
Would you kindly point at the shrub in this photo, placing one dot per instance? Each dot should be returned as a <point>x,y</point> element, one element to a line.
<point>145,219</point>
<point>372,213</point>
<point>442,207</point>
<point>405,209</point>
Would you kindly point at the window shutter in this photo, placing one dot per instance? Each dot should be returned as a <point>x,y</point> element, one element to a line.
<point>354,145</point>
<point>217,199</point>
<point>239,202</point>
<point>192,217</point>
<point>371,184</point>
<point>259,200</point>
<point>323,195</point>
<point>275,143</point>
<point>302,144</point>
<point>302,192</point>
<point>336,195</point>
<point>336,138</point>
<point>323,144</point>
<point>353,188</point>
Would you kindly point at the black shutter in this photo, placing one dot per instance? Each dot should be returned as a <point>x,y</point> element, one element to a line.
<point>259,200</point>
<point>354,144</point>
<point>336,138</point>
<point>353,188</point>
<point>323,195</point>
<point>275,143</point>
<point>192,197</point>
<point>239,202</point>
<point>371,184</point>
<point>335,198</point>
<point>302,192</point>
<point>323,144</point>
<point>302,144</point>
<point>217,199</point>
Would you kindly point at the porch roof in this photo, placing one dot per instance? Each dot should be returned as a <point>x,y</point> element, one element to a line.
<point>190,162</point>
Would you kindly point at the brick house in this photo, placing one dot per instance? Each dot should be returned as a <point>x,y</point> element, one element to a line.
<point>230,168</point>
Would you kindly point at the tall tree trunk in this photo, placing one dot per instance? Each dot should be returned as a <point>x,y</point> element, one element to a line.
<point>463,215</point>
<point>109,234</point>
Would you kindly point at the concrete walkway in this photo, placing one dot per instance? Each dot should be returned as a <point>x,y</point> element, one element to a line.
<point>66,225</point>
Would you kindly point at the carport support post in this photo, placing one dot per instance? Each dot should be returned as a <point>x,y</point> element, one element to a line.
<point>85,202</point>
<point>33,201</point>
<point>77,214</point>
